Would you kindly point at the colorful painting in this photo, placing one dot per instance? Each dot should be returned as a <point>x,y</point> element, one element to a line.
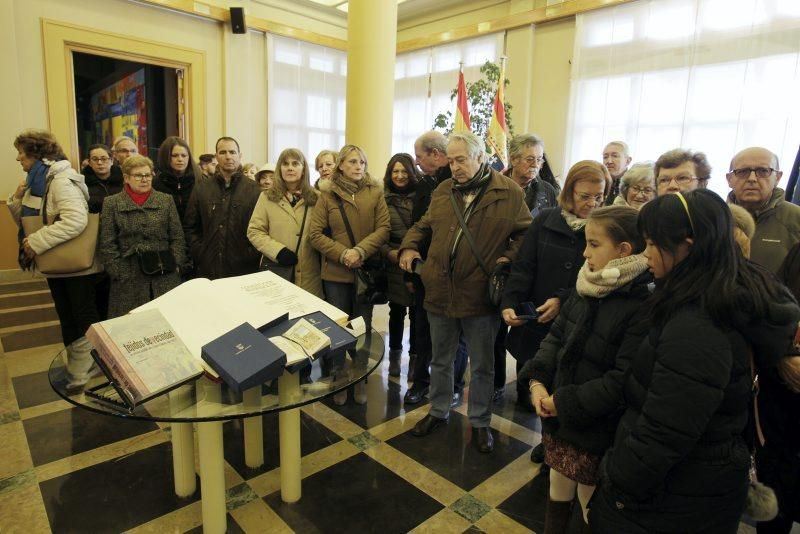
<point>119,109</point>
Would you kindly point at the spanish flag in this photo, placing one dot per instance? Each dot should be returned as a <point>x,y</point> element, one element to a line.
<point>462,110</point>
<point>498,131</point>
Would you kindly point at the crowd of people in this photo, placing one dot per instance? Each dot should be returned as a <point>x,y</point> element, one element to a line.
<point>653,323</point>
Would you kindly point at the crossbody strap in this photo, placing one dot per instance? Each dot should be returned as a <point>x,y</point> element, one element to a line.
<point>299,241</point>
<point>344,218</point>
<point>467,235</point>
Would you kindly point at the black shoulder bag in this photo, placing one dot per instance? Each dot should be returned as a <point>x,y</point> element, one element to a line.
<point>371,280</point>
<point>286,272</point>
<point>498,276</point>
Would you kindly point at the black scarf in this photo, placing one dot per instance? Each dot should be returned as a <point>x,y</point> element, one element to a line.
<point>481,177</point>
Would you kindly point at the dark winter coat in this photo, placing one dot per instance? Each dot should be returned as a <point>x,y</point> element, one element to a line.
<point>539,195</point>
<point>458,288</point>
<point>126,229</point>
<point>400,206</point>
<point>216,223</point>
<point>680,460</point>
<point>581,364</point>
<point>179,187</point>
<point>100,189</point>
<point>547,266</point>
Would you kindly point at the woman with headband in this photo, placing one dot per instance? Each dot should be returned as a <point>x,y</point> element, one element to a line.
<point>680,459</point>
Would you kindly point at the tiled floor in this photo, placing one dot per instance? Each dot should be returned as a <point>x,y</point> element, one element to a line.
<point>64,469</point>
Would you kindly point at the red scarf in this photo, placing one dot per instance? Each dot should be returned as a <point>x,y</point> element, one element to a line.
<point>138,198</point>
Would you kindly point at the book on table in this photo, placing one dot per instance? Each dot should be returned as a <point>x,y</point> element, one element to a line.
<point>142,356</point>
<point>202,310</point>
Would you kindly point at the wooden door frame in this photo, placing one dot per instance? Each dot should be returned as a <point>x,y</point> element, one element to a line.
<point>61,39</point>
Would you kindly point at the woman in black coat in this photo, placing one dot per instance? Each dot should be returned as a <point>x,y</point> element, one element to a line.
<point>680,458</point>
<point>578,362</point>
<point>177,172</point>
<point>548,262</point>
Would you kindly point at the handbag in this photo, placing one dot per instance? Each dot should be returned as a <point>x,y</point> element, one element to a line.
<point>287,272</point>
<point>499,275</point>
<point>71,256</point>
<point>156,262</point>
<point>371,281</point>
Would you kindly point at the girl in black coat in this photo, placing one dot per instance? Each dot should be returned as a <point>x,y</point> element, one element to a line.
<point>177,172</point>
<point>680,460</point>
<point>576,376</point>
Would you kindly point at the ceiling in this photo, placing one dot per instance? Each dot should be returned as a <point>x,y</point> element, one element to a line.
<point>407,9</point>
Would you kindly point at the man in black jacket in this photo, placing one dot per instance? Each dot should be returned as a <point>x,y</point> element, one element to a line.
<point>430,150</point>
<point>217,216</point>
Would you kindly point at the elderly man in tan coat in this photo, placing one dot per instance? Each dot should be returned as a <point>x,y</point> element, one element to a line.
<point>456,295</point>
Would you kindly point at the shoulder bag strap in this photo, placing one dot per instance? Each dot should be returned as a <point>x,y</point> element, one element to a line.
<point>755,391</point>
<point>344,218</point>
<point>467,234</point>
<point>299,241</point>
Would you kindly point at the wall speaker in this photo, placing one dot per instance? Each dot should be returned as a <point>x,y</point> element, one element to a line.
<point>238,24</point>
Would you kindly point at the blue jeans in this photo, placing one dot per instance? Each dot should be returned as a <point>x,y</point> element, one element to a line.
<point>343,296</point>
<point>479,334</point>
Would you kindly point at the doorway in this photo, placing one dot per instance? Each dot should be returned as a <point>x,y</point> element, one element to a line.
<point>115,97</point>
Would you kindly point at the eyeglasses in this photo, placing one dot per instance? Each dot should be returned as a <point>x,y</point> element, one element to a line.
<point>680,180</point>
<point>142,177</point>
<point>126,150</point>
<point>531,160</point>
<point>586,197</point>
<point>639,190</point>
<point>762,173</point>
<point>99,160</point>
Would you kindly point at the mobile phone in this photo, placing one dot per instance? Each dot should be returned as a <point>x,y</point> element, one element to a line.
<point>416,266</point>
<point>526,311</point>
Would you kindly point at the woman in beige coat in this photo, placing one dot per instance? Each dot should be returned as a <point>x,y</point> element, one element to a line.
<point>361,197</point>
<point>278,228</point>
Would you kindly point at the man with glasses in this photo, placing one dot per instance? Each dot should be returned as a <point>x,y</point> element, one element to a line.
<point>526,153</point>
<point>616,158</point>
<point>122,149</point>
<point>753,178</point>
<point>217,217</point>
<point>681,170</point>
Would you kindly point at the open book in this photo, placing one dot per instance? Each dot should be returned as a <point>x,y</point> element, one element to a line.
<point>202,310</point>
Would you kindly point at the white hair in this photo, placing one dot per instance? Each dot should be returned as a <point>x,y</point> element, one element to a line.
<point>475,146</point>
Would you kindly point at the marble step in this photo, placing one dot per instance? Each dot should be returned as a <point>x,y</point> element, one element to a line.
<point>30,335</point>
<point>23,286</point>
<point>27,315</point>
<point>28,298</point>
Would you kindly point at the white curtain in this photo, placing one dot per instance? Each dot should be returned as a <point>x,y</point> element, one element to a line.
<point>425,78</point>
<point>710,75</point>
<point>306,92</point>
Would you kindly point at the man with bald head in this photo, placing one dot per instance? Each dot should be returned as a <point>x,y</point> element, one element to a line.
<point>753,178</point>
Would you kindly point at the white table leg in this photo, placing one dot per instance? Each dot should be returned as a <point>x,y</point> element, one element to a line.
<point>182,447</point>
<point>289,432</point>
<point>253,431</point>
<point>212,476</point>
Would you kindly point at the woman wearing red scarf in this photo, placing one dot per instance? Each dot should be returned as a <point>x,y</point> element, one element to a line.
<point>141,240</point>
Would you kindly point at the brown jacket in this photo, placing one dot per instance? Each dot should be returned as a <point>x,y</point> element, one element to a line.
<point>497,225</point>
<point>368,217</point>
<point>275,225</point>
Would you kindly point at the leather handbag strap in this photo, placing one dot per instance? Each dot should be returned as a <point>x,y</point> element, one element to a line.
<point>755,391</point>
<point>344,218</point>
<point>299,241</point>
<point>467,235</point>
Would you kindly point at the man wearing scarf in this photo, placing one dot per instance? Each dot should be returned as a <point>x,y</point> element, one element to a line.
<point>456,296</point>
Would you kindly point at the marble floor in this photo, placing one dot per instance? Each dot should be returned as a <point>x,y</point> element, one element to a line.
<point>64,469</point>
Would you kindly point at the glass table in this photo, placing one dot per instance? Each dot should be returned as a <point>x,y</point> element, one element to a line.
<point>208,403</point>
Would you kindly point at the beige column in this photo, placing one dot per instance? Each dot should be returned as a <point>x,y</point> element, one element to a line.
<point>371,47</point>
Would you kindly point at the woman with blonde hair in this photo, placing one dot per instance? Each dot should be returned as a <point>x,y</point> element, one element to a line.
<point>352,206</point>
<point>279,225</point>
<point>325,163</point>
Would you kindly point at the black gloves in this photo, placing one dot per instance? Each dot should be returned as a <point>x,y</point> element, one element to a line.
<point>286,257</point>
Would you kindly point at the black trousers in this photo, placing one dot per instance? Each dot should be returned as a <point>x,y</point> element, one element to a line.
<point>74,299</point>
<point>422,365</point>
<point>397,319</point>
<point>779,469</point>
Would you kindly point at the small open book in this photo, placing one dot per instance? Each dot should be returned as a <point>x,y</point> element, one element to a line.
<point>302,341</point>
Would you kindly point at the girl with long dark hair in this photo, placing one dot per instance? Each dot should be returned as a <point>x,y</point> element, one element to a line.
<point>680,459</point>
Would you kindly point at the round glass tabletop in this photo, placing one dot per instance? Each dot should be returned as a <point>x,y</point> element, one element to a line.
<point>205,399</point>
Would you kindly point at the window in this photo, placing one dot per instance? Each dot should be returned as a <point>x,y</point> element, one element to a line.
<point>710,75</point>
<point>307,87</point>
<point>425,78</point>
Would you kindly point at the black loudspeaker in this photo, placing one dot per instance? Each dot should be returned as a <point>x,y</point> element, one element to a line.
<point>238,24</point>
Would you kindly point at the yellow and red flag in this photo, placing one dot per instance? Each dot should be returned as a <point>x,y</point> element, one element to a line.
<point>498,130</point>
<point>462,109</point>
